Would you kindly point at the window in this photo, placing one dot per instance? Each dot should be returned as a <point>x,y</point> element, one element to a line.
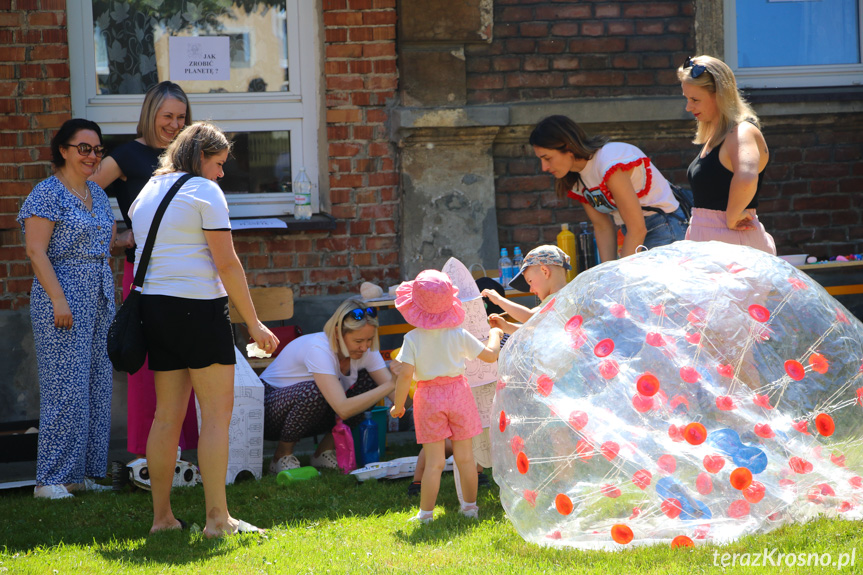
<point>267,102</point>
<point>794,43</point>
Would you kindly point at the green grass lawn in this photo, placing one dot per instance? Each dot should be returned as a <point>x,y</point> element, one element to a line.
<point>335,525</point>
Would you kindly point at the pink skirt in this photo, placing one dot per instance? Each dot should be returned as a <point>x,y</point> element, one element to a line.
<point>141,400</point>
<point>444,407</point>
<point>706,225</point>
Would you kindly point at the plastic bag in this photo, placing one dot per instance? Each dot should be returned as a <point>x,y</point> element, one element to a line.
<point>344,447</point>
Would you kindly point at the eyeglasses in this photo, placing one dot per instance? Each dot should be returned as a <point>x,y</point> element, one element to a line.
<point>358,313</point>
<point>697,69</point>
<point>85,149</point>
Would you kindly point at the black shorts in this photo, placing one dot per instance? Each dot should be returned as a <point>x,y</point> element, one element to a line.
<point>187,333</point>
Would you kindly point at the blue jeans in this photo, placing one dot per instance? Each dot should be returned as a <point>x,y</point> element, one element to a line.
<point>663,229</point>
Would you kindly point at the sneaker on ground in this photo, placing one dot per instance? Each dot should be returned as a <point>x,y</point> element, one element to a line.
<point>326,460</point>
<point>282,463</point>
<point>470,510</point>
<point>91,485</point>
<point>422,517</point>
<point>415,488</point>
<point>51,492</point>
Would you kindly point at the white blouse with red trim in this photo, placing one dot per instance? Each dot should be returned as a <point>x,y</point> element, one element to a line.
<point>649,184</point>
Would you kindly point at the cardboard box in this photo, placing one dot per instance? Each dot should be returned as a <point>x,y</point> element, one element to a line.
<point>246,433</point>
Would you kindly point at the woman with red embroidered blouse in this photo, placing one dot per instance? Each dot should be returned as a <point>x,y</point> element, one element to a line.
<point>616,182</point>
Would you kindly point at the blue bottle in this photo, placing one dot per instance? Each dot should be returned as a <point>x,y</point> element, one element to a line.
<point>504,266</point>
<point>369,443</point>
<point>517,261</point>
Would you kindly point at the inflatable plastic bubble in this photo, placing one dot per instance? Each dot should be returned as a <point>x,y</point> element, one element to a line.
<point>696,392</point>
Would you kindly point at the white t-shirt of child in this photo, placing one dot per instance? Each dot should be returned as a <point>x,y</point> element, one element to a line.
<point>181,264</point>
<point>439,352</point>
<point>649,184</point>
<point>310,354</point>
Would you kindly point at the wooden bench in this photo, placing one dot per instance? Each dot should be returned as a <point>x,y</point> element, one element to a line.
<point>271,304</point>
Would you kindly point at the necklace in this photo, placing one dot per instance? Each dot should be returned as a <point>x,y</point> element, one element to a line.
<point>83,197</point>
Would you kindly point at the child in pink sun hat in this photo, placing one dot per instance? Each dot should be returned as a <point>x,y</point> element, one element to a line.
<point>435,354</point>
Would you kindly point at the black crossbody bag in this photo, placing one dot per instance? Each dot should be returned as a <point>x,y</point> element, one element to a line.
<point>127,347</point>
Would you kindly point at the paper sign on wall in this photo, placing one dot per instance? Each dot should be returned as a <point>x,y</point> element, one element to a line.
<point>199,58</point>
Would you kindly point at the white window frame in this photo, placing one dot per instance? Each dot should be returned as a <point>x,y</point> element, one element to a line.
<point>789,76</point>
<point>296,110</point>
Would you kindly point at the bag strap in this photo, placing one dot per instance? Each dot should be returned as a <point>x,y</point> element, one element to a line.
<point>154,228</point>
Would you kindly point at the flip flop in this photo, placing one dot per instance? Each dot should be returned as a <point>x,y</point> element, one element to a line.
<point>183,524</point>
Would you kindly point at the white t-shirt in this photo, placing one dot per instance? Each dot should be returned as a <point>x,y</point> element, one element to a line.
<point>310,354</point>
<point>439,352</point>
<point>649,184</point>
<point>181,264</point>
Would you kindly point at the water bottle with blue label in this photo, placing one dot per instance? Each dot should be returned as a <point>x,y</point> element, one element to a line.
<point>504,267</point>
<point>517,261</point>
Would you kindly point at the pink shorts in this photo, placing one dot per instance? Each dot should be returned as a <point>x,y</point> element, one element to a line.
<point>445,407</point>
<point>706,225</point>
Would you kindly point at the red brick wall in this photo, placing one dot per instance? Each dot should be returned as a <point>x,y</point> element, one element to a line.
<point>545,51</point>
<point>555,50</point>
<point>361,80</point>
<point>34,102</point>
<point>811,200</point>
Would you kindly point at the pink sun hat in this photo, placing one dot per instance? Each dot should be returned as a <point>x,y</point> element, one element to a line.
<point>430,301</point>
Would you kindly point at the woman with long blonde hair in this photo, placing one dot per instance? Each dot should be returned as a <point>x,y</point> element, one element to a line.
<point>726,175</point>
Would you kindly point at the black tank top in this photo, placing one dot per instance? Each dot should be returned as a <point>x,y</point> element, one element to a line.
<point>137,162</point>
<point>710,182</point>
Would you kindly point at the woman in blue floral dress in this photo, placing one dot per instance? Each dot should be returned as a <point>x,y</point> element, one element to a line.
<point>68,232</point>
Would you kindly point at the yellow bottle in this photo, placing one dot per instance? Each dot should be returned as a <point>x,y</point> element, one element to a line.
<point>566,242</point>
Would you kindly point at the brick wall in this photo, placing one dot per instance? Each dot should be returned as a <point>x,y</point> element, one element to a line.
<point>558,50</point>
<point>545,51</point>
<point>361,81</point>
<point>811,200</point>
<point>34,102</point>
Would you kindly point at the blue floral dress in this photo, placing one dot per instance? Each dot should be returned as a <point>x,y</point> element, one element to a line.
<point>75,374</point>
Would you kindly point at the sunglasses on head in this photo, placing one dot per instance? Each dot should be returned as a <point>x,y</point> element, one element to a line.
<point>85,149</point>
<point>697,69</point>
<point>358,313</point>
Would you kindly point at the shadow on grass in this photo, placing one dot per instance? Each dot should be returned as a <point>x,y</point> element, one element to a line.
<point>117,524</point>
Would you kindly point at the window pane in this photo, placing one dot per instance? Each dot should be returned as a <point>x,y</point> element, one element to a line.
<point>797,33</point>
<point>132,43</point>
<point>259,163</point>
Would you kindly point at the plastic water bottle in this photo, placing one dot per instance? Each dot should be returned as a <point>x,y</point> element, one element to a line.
<point>586,248</point>
<point>299,474</point>
<point>369,443</point>
<point>517,260</point>
<point>504,267</point>
<point>302,196</point>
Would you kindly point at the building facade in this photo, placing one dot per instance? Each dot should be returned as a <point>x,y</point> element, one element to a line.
<point>412,119</point>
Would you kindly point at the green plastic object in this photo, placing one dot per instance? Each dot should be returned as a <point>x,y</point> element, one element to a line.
<point>299,474</point>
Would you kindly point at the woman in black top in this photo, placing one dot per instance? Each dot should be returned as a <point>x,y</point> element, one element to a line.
<point>126,170</point>
<point>726,176</point>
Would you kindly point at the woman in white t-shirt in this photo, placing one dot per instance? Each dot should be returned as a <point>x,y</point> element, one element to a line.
<point>617,184</point>
<point>320,375</point>
<point>184,306</point>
